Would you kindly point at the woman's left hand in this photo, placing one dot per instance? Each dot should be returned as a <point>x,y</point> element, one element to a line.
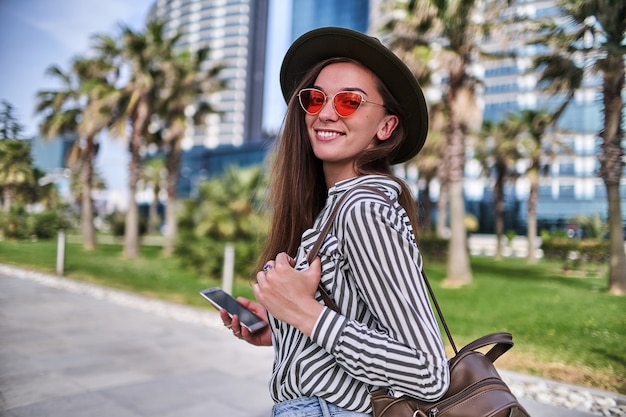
<point>289,294</point>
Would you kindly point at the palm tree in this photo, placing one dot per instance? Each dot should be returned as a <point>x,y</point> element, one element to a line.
<point>76,178</point>
<point>231,204</point>
<point>535,127</point>
<point>153,174</point>
<point>449,27</point>
<point>416,56</point>
<point>592,40</point>
<point>497,150</point>
<point>428,165</point>
<point>82,105</point>
<point>183,106</point>
<point>16,169</point>
<point>604,21</point>
<point>147,56</point>
<point>10,128</point>
<point>228,209</point>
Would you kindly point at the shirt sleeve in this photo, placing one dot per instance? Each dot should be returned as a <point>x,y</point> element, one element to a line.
<point>404,351</point>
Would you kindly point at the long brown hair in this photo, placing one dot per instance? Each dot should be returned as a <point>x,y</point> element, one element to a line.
<point>298,189</point>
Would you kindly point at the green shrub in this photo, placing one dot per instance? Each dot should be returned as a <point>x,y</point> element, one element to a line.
<point>46,225</point>
<point>117,224</point>
<point>595,250</point>
<point>510,235</point>
<point>14,224</point>
<point>205,255</point>
<point>558,248</point>
<point>573,253</point>
<point>227,209</point>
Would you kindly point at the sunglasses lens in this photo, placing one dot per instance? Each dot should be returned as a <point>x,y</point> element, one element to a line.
<point>344,102</point>
<point>347,102</point>
<point>312,101</point>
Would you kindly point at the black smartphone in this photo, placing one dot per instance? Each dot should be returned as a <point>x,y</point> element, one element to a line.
<point>222,300</point>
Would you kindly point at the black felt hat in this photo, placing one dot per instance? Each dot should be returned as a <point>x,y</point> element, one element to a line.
<point>329,42</point>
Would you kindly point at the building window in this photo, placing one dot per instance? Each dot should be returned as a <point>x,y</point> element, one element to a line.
<point>545,191</point>
<point>566,191</point>
<point>567,169</point>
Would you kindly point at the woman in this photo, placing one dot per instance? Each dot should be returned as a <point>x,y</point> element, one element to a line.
<point>353,110</point>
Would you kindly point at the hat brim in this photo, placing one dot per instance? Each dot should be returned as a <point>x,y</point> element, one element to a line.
<point>329,42</point>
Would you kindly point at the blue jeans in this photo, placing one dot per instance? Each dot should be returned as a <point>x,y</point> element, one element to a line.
<point>312,407</point>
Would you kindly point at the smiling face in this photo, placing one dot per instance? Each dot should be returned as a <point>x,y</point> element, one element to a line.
<point>336,140</point>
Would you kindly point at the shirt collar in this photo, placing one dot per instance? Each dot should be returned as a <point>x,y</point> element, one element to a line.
<point>380,181</point>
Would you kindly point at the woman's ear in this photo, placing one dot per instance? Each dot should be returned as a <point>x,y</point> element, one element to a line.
<point>388,125</point>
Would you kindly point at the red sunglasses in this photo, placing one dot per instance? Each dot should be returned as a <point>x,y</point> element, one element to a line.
<point>345,103</point>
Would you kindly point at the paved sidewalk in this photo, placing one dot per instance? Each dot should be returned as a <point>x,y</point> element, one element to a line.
<point>76,350</point>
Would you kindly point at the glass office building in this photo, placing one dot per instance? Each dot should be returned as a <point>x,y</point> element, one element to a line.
<point>235,33</point>
<point>570,184</point>
<point>312,14</point>
<point>291,18</point>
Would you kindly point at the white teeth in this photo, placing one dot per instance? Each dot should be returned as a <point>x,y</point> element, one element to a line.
<point>327,134</point>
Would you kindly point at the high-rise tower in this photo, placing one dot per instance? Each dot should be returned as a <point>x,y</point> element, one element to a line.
<point>235,33</point>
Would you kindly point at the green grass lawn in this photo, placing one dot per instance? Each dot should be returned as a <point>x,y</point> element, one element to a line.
<point>565,326</point>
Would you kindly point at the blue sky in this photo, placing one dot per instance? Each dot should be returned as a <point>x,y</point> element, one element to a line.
<point>35,34</point>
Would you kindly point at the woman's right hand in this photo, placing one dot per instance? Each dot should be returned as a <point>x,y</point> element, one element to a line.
<point>262,337</point>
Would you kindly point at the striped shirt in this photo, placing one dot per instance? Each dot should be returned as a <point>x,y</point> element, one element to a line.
<point>386,334</point>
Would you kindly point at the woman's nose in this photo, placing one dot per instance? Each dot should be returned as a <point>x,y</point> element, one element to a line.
<point>328,111</point>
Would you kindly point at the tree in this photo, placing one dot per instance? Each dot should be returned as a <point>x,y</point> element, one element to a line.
<point>181,107</point>
<point>536,135</point>
<point>10,128</point>
<point>450,27</point>
<point>82,105</point>
<point>147,56</point>
<point>428,165</point>
<point>416,56</point>
<point>76,178</point>
<point>16,169</point>
<point>153,174</point>
<point>228,208</point>
<point>593,41</point>
<point>605,21</point>
<point>498,151</point>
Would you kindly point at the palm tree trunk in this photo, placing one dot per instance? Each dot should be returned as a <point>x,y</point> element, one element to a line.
<point>152,213</point>
<point>7,196</point>
<point>533,196</point>
<point>427,208</point>
<point>442,202</point>
<point>459,272</point>
<point>499,209</point>
<point>611,165</point>
<point>131,227</point>
<point>86,226</point>
<point>617,271</point>
<point>442,210</point>
<point>173,169</point>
